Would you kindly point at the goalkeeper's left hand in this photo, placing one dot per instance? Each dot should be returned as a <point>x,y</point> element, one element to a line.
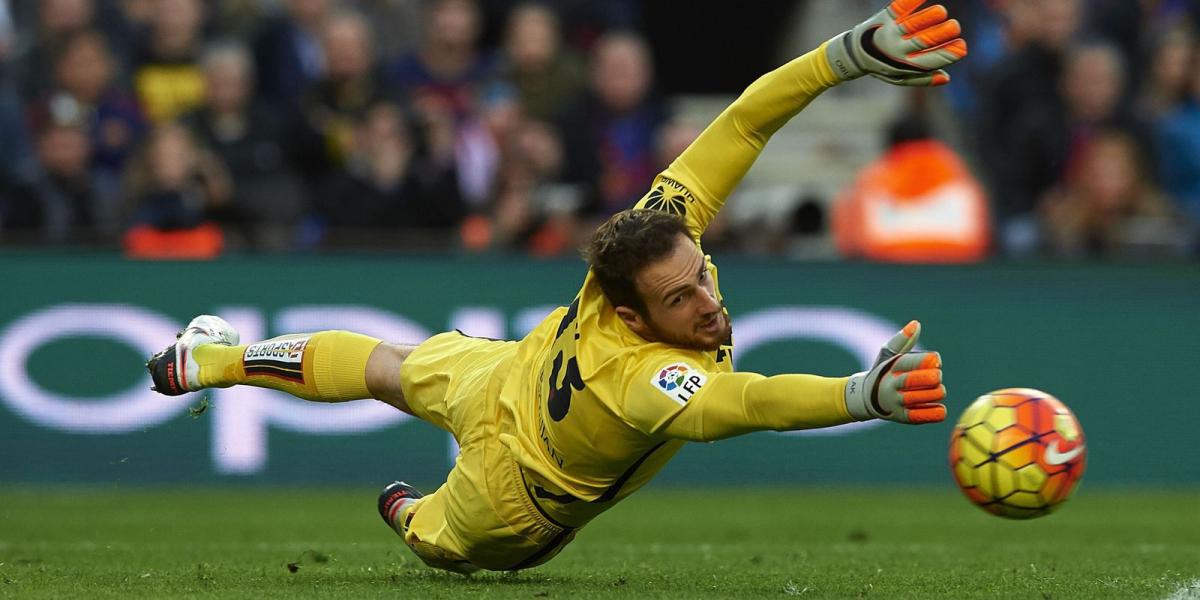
<point>900,46</point>
<point>903,386</point>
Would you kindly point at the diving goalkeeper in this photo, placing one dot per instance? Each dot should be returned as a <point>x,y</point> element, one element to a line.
<point>560,426</point>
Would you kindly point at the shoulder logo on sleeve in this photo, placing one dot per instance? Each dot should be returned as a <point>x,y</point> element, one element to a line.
<point>678,381</point>
<point>661,200</point>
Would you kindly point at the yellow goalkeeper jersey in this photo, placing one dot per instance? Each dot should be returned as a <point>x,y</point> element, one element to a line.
<point>592,411</point>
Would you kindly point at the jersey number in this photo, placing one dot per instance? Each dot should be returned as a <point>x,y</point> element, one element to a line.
<point>559,401</point>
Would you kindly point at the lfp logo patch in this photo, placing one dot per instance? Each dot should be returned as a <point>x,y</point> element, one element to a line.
<point>678,381</point>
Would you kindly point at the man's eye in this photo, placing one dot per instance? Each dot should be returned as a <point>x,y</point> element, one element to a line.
<point>703,275</point>
<point>677,300</point>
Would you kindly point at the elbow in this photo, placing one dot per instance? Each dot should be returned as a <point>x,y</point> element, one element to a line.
<point>741,120</point>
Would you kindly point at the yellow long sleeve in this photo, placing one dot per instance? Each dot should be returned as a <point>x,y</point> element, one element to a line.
<point>731,404</point>
<point>703,175</point>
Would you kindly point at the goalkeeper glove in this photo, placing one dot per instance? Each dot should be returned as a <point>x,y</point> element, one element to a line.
<point>900,46</point>
<point>902,386</point>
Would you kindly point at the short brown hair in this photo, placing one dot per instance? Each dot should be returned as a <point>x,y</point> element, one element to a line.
<point>624,245</point>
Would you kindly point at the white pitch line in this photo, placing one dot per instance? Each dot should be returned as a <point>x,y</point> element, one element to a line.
<point>1187,591</point>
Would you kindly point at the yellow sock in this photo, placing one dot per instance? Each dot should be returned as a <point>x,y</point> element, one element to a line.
<point>328,366</point>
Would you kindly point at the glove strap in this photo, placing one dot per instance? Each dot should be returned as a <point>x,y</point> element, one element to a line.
<point>840,52</point>
<point>858,397</point>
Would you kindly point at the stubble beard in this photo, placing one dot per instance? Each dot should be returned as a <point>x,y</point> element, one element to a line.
<point>694,342</point>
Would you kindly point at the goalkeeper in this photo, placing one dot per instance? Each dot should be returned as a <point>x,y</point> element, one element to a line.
<point>558,427</point>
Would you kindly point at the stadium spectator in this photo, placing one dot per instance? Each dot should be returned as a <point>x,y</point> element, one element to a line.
<point>1047,142</point>
<point>288,53</point>
<point>1137,28</point>
<point>532,210</point>
<point>66,200</point>
<point>477,140</point>
<point>398,24</point>
<point>673,138</point>
<point>1162,15</point>
<point>584,21</point>
<point>15,153</point>
<point>1030,99</point>
<point>610,133</point>
<point>450,76</point>
<point>389,189</point>
<point>1108,205</point>
<point>173,187</point>
<point>239,18</point>
<point>250,140</point>
<point>527,207</point>
<point>12,126</point>
<point>1092,89</point>
<point>166,74</point>
<point>56,21</point>
<point>1023,88</point>
<point>139,13</point>
<point>1170,74</point>
<point>1177,134</point>
<point>8,37</point>
<point>86,72</point>
<point>991,30</point>
<point>547,76</point>
<point>1128,27</point>
<point>917,203</point>
<point>449,65</point>
<point>351,83</point>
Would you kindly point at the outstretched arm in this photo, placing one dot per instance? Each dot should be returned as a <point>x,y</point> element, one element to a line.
<point>698,181</point>
<point>736,403</point>
<point>683,403</point>
<point>899,45</point>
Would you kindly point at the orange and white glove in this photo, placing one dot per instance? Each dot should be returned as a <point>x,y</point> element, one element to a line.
<point>903,386</point>
<point>900,46</point>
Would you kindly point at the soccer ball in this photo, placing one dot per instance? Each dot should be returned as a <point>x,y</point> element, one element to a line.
<point>1017,453</point>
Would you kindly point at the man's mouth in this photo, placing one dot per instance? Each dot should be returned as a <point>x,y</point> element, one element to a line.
<point>712,325</point>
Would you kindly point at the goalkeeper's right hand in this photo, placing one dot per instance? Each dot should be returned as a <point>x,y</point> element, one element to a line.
<point>900,46</point>
<point>902,386</point>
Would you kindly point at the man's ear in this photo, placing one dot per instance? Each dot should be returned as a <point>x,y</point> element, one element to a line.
<point>634,321</point>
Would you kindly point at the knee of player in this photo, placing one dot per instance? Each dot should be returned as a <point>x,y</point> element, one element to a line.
<point>383,373</point>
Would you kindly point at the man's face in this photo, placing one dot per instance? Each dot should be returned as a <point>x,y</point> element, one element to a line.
<point>229,85</point>
<point>1058,21</point>
<point>1092,84</point>
<point>347,45</point>
<point>681,301</point>
<point>85,68</point>
<point>454,23</point>
<point>532,38</point>
<point>621,73</point>
<point>64,151</point>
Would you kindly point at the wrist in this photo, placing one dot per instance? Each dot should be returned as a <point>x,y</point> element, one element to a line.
<point>839,53</point>
<point>856,396</point>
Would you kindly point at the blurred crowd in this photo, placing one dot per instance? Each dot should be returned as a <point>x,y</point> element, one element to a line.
<point>191,128</point>
<point>1083,117</point>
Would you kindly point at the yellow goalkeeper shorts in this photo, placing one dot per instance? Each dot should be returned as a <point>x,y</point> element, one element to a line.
<point>483,516</point>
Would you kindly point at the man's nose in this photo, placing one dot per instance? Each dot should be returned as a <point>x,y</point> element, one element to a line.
<point>709,303</point>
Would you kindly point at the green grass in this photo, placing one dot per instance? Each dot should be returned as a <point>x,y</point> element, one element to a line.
<point>884,543</point>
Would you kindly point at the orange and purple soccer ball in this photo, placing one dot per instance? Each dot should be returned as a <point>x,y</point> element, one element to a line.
<point>1017,453</point>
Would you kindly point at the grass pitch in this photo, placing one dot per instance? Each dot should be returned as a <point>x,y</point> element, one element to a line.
<point>727,543</point>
